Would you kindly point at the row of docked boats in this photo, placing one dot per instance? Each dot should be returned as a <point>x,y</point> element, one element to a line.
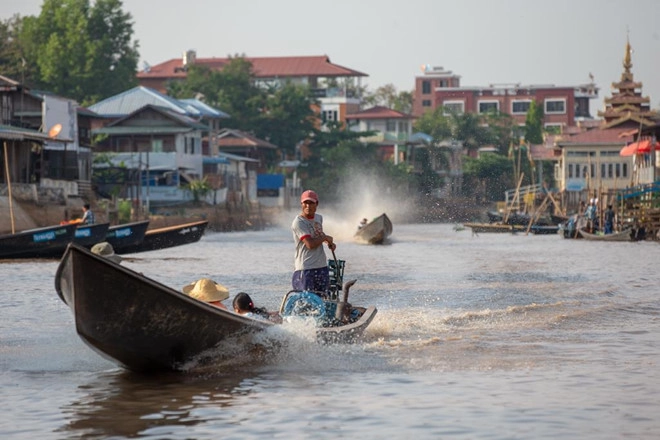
<point>52,241</point>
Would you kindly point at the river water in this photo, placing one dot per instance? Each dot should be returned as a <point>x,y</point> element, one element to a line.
<point>492,336</point>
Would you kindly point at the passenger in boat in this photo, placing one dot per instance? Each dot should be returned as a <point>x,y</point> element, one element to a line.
<point>243,305</point>
<point>311,271</point>
<point>106,250</point>
<point>208,291</point>
<point>609,219</point>
<point>363,223</point>
<point>88,217</point>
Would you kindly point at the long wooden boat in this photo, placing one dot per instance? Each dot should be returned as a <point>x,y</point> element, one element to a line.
<point>167,237</point>
<point>145,326</point>
<point>376,231</point>
<point>478,228</point>
<point>48,242</point>
<point>126,234</point>
<point>89,235</point>
<point>625,235</point>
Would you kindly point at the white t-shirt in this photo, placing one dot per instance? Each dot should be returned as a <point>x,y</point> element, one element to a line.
<point>308,258</point>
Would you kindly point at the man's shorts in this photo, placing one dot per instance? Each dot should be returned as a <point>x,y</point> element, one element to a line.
<point>313,280</point>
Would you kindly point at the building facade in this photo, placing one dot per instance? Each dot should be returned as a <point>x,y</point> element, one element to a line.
<point>562,106</point>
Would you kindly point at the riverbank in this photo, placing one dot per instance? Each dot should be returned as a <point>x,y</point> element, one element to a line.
<point>29,215</point>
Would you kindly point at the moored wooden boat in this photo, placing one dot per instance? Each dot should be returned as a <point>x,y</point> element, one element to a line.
<point>626,235</point>
<point>126,234</point>
<point>544,230</point>
<point>478,228</point>
<point>89,235</point>
<point>376,231</point>
<point>167,237</point>
<point>48,242</point>
<point>145,326</point>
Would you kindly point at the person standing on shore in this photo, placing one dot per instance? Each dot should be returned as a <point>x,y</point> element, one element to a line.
<point>311,271</point>
<point>609,220</point>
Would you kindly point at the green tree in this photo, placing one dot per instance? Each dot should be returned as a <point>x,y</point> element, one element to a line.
<point>281,114</point>
<point>12,58</point>
<point>288,118</point>
<point>534,124</point>
<point>488,177</point>
<point>469,128</point>
<point>388,96</point>
<point>80,51</point>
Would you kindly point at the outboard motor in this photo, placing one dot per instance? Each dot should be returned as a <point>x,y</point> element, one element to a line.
<point>343,307</point>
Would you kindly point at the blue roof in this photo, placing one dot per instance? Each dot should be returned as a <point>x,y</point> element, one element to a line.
<point>136,98</point>
<point>205,109</point>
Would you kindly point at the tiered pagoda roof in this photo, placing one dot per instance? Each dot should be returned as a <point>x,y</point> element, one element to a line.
<point>627,107</point>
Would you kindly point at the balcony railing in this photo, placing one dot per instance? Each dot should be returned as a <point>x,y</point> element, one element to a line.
<point>387,137</point>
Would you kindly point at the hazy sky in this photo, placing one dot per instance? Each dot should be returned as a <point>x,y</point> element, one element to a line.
<point>485,41</point>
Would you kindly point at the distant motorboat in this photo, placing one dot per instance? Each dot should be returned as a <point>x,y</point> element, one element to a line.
<point>376,231</point>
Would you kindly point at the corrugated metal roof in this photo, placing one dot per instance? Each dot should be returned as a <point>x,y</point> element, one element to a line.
<point>128,130</point>
<point>236,138</point>
<point>136,98</point>
<point>612,136</point>
<point>10,132</point>
<point>131,100</point>
<point>205,109</point>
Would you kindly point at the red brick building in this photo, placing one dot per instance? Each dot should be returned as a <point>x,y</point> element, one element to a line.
<point>562,106</point>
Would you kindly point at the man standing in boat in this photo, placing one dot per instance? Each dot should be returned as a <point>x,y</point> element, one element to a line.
<point>310,265</point>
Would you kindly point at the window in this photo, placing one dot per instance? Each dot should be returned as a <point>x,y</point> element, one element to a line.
<point>520,107</point>
<point>489,106</point>
<point>157,146</point>
<point>329,115</point>
<point>457,107</point>
<point>403,126</point>
<point>426,87</point>
<point>552,128</point>
<point>555,106</point>
<point>426,103</point>
<point>390,125</point>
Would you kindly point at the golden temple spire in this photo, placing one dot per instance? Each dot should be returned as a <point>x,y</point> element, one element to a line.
<point>627,62</point>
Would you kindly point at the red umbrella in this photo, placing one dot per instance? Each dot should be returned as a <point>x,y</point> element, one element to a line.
<point>643,146</point>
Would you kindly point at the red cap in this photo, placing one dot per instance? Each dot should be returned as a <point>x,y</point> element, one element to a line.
<point>309,195</point>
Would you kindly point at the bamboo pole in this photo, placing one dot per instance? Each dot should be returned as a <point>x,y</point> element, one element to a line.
<point>11,206</point>
<point>515,198</point>
<point>536,214</point>
<point>555,204</point>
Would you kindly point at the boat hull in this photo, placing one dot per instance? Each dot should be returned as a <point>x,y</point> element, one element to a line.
<point>376,231</point>
<point>617,236</point>
<point>163,238</point>
<point>89,235</point>
<point>145,326</point>
<point>127,234</point>
<point>49,242</point>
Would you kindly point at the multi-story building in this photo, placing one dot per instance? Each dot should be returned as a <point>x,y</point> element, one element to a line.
<point>335,100</point>
<point>562,106</point>
<point>392,130</point>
